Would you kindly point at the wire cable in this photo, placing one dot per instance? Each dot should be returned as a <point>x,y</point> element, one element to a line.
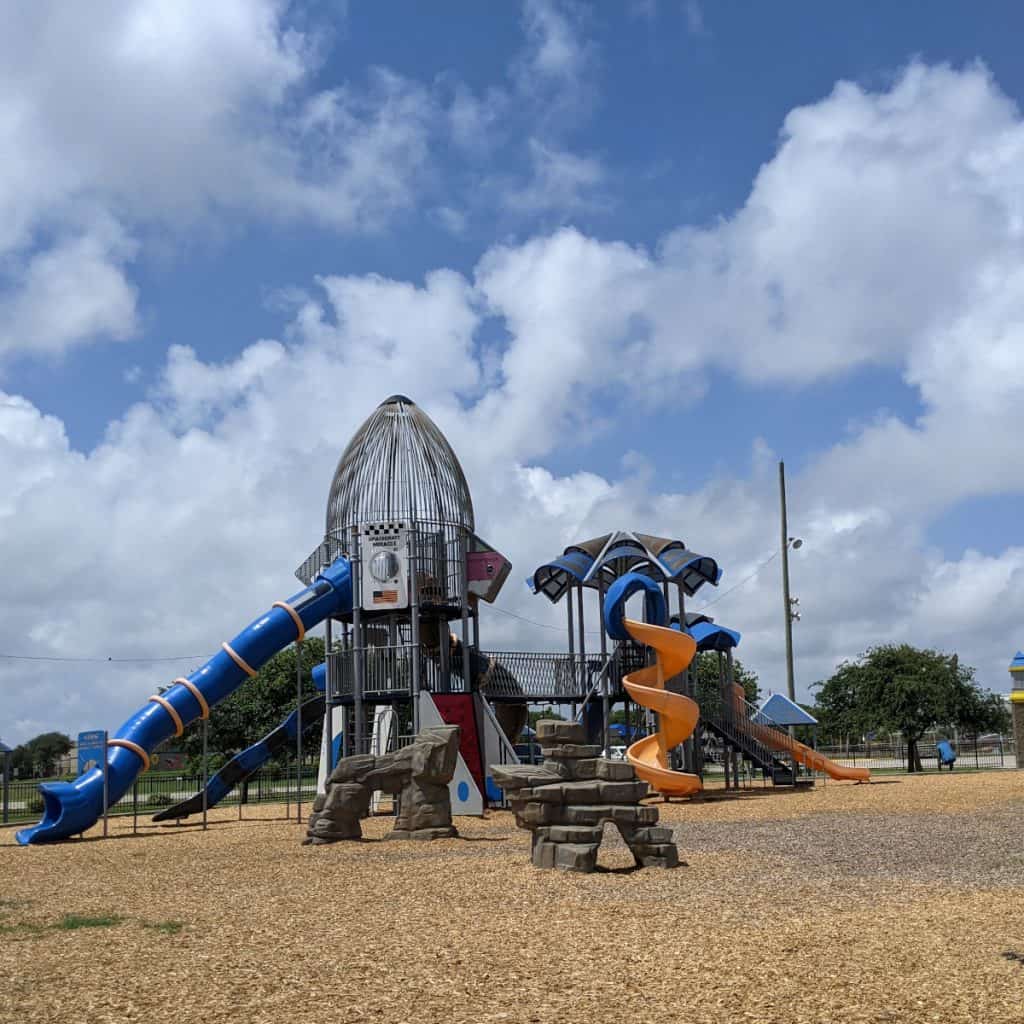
<point>105,661</point>
<point>736,586</point>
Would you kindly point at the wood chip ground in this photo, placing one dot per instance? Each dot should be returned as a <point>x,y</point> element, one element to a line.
<point>899,901</point>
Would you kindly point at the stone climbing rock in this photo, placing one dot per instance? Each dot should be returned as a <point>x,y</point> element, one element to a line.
<point>566,801</point>
<point>419,774</point>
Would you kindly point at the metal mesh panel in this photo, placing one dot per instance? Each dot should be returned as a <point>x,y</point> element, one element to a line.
<point>398,466</point>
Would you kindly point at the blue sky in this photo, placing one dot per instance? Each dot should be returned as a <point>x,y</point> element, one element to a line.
<point>733,232</point>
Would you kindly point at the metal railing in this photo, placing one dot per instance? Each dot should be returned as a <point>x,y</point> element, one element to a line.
<point>734,723</point>
<point>154,791</point>
<point>387,672</point>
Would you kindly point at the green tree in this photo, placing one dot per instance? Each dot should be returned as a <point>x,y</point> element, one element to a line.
<point>708,679</point>
<point>902,689</point>
<point>38,757</point>
<point>258,706</point>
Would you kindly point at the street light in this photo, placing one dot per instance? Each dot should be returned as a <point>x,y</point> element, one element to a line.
<point>789,604</point>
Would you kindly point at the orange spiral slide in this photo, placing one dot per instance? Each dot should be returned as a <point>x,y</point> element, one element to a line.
<point>677,715</point>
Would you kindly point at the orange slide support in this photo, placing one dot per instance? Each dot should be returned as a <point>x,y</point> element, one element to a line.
<point>800,752</point>
<point>677,715</point>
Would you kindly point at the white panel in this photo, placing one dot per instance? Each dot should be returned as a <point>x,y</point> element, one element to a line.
<point>383,568</point>
<point>335,733</point>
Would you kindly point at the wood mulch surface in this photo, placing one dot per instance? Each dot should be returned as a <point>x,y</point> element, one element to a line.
<point>900,901</point>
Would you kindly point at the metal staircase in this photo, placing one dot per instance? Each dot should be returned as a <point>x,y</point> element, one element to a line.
<point>732,723</point>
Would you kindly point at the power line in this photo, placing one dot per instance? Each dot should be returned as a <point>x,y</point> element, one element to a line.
<point>105,661</point>
<point>736,586</point>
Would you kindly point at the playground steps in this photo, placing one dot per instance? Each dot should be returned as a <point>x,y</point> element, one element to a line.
<point>731,731</point>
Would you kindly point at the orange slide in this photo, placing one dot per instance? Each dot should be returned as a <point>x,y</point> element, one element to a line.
<point>677,715</point>
<point>775,739</point>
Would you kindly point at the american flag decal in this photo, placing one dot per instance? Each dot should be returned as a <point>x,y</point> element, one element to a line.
<point>385,597</point>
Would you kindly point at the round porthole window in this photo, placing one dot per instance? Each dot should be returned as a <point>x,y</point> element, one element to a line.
<point>384,565</point>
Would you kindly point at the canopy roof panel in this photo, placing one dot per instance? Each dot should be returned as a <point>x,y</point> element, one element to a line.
<point>782,711</point>
<point>604,559</point>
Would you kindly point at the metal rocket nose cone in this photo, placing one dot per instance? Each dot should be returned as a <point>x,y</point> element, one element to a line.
<point>398,467</point>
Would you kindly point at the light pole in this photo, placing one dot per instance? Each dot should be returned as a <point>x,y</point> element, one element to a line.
<point>789,604</point>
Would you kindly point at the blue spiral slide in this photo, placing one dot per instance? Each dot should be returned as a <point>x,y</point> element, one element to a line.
<point>72,807</point>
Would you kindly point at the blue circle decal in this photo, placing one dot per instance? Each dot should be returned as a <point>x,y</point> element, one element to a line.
<point>462,791</point>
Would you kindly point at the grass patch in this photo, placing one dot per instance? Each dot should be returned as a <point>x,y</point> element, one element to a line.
<point>20,929</point>
<point>72,922</point>
<point>166,927</point>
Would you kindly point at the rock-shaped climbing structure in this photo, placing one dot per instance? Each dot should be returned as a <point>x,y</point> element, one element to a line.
<point>419,774</point>
<point>566,801</point>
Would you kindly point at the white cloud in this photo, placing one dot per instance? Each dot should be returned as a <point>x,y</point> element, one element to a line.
<point>694,18</point>
<point>885,230</point>
<point>68,295</point>
<point>155,117</point>
<point>555,51</point>
<point>562,182</point>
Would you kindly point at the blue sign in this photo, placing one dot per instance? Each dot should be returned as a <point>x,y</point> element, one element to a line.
<point>91,749</point>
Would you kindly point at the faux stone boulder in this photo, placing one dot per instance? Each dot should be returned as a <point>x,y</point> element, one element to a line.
<point>566,801</point>
<point>418,774</point>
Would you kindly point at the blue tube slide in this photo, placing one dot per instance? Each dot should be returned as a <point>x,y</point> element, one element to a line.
<point>243,764</point>
<point>72,807</point>
<point>655,610</point>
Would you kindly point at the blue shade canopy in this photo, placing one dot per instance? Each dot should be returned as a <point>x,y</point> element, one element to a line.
<point>4,749</point>
<point>554,577</point>
<point>782,711</point>
<point>604,559</point>
<point>710,637</point>
<point>1017,665</point>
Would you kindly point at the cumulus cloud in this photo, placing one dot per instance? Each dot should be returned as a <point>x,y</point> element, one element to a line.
<point>884,230</point>
<point>155,117</point>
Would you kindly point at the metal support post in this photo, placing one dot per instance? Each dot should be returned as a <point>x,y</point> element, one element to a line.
<point>606,736</point>
<point>582,643</point>
<point>298,731</point>
<point>106,784</point>
<point>787,606</point>
<point>6,787</point>
<point>572,648</point>
<point>464,581</point>
<point>358,646</point>
<point>206,731</point>
<point>414,623</point>
<point>329,695</point>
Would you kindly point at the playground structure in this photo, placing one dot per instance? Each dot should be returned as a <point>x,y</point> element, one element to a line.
<point>398,581</point>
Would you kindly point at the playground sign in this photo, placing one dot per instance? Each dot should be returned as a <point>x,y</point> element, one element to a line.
<point>91,748</point>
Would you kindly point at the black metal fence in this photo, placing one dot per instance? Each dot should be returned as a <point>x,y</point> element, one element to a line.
<point>972,753</point>
<point>153,791</point>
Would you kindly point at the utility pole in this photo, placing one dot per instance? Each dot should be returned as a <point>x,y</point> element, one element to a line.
<point>786,603</point>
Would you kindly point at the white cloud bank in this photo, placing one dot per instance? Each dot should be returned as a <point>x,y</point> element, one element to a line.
<point>885,230</point>
<point>122,119</point>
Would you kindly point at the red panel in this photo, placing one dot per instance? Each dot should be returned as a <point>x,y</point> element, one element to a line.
<point>457,709</point>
